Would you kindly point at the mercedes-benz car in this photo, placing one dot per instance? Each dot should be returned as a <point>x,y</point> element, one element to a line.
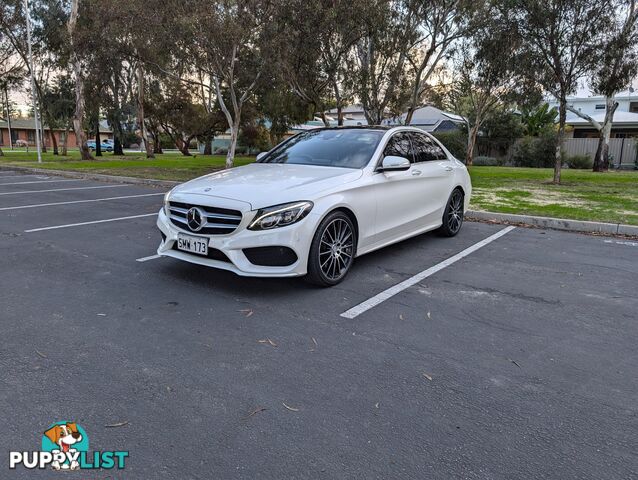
<point>315,202</point>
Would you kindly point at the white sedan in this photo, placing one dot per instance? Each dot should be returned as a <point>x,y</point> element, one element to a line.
<point>315,202</point>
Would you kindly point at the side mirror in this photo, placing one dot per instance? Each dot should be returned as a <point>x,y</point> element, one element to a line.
<point>392,163</point>
<point>261,155</point>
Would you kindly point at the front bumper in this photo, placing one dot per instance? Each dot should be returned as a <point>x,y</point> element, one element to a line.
<point>297,237</point>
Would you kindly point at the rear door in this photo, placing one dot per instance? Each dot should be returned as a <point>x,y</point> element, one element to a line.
<point>434,172</point>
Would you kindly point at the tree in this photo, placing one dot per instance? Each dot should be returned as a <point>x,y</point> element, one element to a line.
<point>379,62</point>
<point>555,43</point>
<point>616,65</point>
<point>484,86</point>
<point>78,74</point>
<point>538,119</point>
<point>12,73</point>
<point>441,23</point>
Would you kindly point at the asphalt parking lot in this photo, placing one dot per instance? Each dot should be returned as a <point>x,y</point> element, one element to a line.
<point>519,360</point>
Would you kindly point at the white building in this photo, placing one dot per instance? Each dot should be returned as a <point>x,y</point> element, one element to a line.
<point>625,123</point>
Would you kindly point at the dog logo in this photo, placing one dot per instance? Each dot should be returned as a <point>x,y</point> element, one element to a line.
<point>65,447</point>
<point>66,438</point>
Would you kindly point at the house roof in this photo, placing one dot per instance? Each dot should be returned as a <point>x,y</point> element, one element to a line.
<point>427,118</point>
<point>356,108</point>
<point>29,124</point>
<point>620,118</point>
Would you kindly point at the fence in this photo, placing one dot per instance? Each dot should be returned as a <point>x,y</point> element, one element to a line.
<point>623,150</point>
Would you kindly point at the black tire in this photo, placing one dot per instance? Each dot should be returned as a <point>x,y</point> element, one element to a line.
<point>453,214</point>
<point>332,250</point>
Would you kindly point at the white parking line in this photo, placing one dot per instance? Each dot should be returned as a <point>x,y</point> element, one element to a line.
<point>146,259</point>
<point>631,244</point>
<point>61,189</point>
<point>42,181</point>
<point>79,201</point>
<point>399,287</point>
<point>55,227</point>
<point>25,176</point>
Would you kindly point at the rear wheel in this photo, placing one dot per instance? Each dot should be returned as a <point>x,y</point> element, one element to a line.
<point>453,214</point>
<point>332,250</point>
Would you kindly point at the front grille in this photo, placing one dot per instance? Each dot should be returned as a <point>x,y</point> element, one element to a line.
<point>218,221</point>
<point>213,254</point>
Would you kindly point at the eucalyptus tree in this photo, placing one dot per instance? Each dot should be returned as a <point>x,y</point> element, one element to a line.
<point>379,68</point>
<point>555,42</point>
<point>615,65</point>
<point>440,25</point>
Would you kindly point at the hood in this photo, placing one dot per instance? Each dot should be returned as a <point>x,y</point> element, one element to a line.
<point>265,184</point>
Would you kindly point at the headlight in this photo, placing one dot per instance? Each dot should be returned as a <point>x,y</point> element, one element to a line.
<point>280,215</point>
<point>166,195</point>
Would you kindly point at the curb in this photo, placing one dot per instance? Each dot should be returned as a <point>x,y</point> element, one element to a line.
<point>555,223</point>
<point>94,176</point>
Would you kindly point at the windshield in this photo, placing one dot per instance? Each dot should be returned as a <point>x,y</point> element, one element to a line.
<point>346,148</point>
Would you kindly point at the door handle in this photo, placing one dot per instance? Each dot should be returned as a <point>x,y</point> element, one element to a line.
<point>416,172</point>
<point>448,169</point>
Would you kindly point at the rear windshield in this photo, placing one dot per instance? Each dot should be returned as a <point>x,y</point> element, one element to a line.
<point>348,148</point>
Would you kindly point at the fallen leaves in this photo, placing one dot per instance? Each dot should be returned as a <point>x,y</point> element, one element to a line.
<point>248,312</point>
<point>292,409</point>
<point>429,316</point>
<point>514,362</point>
<point>429,377</point>
<point>256,411</point>
<point>41,354</point>
<point>268,341</point>
<point>115,425</point>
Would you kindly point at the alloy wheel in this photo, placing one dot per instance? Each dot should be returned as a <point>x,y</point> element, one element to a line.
<point>336,249</point>
<point>455,212</point>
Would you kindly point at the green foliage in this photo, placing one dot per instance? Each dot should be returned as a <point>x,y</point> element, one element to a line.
<point>455,141</point>
<point>579,161</point>
<point>482,161</point>
<point>255,137</point>
<point>538,152</point>
<point>538,120</point>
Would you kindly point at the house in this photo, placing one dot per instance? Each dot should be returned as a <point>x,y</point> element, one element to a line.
<point>625,122</point>
<point>430,119</point>
<point>353,115</point>
<point>24,129</point>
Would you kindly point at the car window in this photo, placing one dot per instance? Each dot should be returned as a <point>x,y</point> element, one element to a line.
<point>347,148</point>
<point>399,145</point>
<point>426,149</point>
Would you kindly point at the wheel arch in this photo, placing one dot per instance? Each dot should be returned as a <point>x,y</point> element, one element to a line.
<point>353,218</point>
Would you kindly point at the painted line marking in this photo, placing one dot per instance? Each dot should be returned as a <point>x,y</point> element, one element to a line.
<point>62,189</point>
<point>79,201</point>
<point>399,287</point>
<point>146,259</point>
<point>25,176</point>
<point>55,227</point>
<point>42,181</point>
<point>618,242</point>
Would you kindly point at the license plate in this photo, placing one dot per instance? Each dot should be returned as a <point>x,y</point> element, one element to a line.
<point>190,244</point>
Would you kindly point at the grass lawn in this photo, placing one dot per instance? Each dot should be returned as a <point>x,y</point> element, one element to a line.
<point>583,195</point>
<point>167,166</point>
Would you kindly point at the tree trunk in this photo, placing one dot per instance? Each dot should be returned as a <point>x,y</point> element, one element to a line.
<point>208,146</point>
<point>54,142</point>
<point>6,99</point>
<point>324,119</point>
<point>98,140</point>
<point>117,145</point>
<point>601,160</point>
<point>562,116</point>
<point>471,142</point>
<point>65,142</point>
<point>78,116</point>
<point>140,113</point>
<point>230,156</point>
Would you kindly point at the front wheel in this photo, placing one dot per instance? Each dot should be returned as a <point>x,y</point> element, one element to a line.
<point>453,214</point>
<point>332,250</point>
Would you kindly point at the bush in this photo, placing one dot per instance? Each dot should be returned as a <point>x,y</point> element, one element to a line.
<point>220,151</point>
<point>539,152</point>
<point>455,141</point>
<point>579,161</point>
<point>482,161</point>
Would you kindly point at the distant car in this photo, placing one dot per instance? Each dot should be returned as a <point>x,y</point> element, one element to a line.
<point>21,143</point>
<point>105,145</point>
<point>316,201</point>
